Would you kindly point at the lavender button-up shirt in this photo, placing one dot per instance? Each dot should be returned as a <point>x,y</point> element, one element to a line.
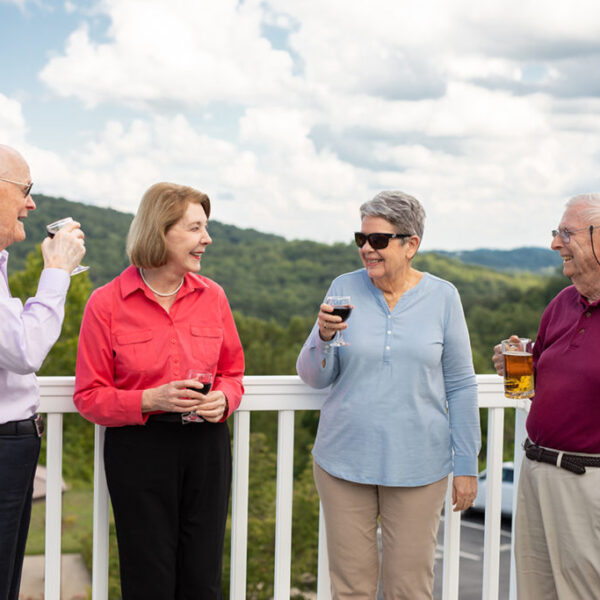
<point>26,335</point>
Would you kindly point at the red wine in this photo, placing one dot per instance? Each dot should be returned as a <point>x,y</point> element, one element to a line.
<point>342,311</point>
<point>204,390</point>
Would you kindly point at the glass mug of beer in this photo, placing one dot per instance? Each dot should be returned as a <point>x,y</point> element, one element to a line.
<point>518,368</point>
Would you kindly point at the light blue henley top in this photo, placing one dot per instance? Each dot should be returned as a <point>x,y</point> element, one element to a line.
<point>402,410</point>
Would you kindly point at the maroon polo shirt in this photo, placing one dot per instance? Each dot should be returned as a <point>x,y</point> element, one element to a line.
<point>565,413</point>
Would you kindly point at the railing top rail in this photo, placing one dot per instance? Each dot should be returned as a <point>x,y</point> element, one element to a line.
<point>266,392</point>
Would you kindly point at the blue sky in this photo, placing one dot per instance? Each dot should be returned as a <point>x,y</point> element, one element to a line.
<point>290,114</point>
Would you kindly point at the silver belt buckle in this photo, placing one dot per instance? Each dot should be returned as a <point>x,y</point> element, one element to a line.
<point>38,422</point>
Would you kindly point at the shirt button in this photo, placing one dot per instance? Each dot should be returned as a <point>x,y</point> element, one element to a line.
<point>582,330</point>
<point>173,341</point>
<point>389,332</point>
<point>588,314</point>
<point>389,316</point>
<point>387,347</point>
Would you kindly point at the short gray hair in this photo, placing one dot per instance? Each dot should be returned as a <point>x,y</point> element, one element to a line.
<point>590,204</point>
<point>401,210</point>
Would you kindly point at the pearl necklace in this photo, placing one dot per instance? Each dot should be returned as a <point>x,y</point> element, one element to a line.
<point>160,293</point>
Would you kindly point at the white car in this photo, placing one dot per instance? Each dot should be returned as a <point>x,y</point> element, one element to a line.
<point>507,489</point>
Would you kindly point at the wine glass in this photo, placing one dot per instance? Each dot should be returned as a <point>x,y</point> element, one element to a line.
<point>205,379</point>
<point>53,229</point>
<point>342,307</point>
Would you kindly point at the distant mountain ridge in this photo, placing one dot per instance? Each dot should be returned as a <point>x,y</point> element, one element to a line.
<point>526,258</point>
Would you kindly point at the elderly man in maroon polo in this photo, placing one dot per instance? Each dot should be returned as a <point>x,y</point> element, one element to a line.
<point>26,335</point>
<point>557,546</point>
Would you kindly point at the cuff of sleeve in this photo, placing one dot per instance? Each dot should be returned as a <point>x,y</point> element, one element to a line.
<point>54,280</point>
<point>320,344</point>
<point>465,465</point>
<point>233,394</point>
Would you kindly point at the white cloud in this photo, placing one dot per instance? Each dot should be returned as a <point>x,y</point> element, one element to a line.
<point>489,115</point>
<point>12,122</point>
<point>187,52</point>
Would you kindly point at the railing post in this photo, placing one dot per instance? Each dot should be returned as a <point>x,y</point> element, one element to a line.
<point>520,434</point>
<point>100,521</point>
<point>450,573</point>
<point>323,579</point>
<point>493,504</point>
<point>239,505</point>
<point>285,490</point>
<point>52,566</point>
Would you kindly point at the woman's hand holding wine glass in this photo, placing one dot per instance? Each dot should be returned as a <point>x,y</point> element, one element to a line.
<point>332,318</point>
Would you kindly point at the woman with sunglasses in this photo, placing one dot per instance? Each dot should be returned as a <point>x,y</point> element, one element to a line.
<point>401,414</point>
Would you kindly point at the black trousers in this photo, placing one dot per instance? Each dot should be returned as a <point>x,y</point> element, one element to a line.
<point>169,487</point>
<point>18,460</point>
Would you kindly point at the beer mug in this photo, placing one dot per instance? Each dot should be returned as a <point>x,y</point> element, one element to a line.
<point>518,368</point>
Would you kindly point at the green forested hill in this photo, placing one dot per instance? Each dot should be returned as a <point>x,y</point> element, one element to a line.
<point>266,276</point>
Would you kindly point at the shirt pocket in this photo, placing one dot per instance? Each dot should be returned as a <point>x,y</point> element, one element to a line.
<point>206,346</point>
<point>135,350</point>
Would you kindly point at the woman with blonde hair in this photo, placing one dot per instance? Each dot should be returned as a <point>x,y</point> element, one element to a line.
<point>167,450</point>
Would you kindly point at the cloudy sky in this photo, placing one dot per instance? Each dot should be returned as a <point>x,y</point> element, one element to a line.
<point>290,113</point>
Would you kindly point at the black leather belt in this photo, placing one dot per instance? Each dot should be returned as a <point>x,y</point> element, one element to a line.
<point>166,417</point>
<point>32,426</point>
<point>576,463</point>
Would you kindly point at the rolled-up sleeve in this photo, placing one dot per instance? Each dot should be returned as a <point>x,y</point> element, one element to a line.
<point>96,396</point>
<point>230,368</point>
<point>27,333</point>
<point>316,365</point>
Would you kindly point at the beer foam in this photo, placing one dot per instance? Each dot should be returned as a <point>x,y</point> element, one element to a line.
<point>517,353</point>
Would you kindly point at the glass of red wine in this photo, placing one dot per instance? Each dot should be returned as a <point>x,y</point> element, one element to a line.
<point>204,384</point>
<point>342,307</point>
<point>53,229</point>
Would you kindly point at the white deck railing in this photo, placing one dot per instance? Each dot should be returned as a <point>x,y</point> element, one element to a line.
<point>284,394</point>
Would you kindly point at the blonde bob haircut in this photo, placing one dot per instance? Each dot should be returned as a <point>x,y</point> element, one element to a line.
<point>161,207</point>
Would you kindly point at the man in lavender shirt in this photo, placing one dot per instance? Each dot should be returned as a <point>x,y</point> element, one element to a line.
<point>26,335</point>
<point>557,544</point>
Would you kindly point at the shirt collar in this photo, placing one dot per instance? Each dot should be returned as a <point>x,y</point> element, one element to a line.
<point>131,281</point>
<point>586,303</point>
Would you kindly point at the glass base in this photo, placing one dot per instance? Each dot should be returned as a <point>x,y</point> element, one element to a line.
<point>79,269</point>
<point>191,417</point>
<point>338,343</point>
<point>518,395</point>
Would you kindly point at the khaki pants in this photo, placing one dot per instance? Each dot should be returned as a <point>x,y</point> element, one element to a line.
<point>410,517</point>
<point>557,533</point>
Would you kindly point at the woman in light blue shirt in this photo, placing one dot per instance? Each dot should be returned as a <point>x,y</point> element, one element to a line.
<point>401,414</point>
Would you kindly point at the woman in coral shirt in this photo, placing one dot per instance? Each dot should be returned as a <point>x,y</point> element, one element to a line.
<point>169,478</point>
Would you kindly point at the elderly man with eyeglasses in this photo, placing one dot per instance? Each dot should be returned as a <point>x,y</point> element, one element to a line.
<point>26,335</point>
<point>557,546</point>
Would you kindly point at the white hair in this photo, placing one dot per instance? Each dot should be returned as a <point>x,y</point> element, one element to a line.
<point>401,210</point>
<point>590,205</point>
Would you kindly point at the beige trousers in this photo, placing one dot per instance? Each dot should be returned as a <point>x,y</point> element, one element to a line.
<point>410,518</point>
<point>557,533</point>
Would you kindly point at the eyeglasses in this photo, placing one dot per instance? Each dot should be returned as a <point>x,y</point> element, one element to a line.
<point>377,241</point>
<point>27,186</point>
<point>565,234</point>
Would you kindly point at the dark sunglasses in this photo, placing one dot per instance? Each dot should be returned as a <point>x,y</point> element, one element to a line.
<point>377,241</point>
